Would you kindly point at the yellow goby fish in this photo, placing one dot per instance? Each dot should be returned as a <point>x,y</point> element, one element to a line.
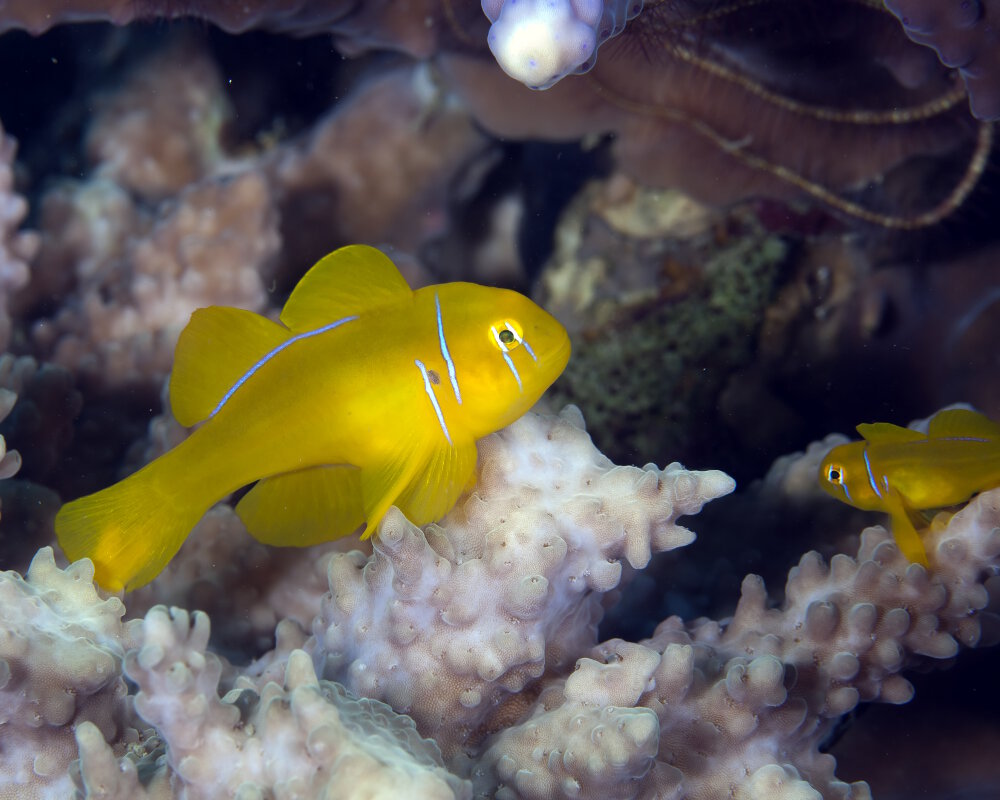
<point>368,394</point>
<point>902,471</point>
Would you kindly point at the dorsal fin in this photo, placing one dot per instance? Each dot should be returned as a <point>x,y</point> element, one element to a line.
<point>887,433</point>
<point>348,281</point>
<point>962,423</point>
<point>218,346</point>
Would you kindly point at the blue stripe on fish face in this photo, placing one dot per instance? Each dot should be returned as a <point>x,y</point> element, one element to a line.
<point>444,352</point>
<point>520,340</point>
<point>271,354</point>
<point>506,357</point>
<point>433,398</point>
<point>504,351</point>
<point>871,475</point>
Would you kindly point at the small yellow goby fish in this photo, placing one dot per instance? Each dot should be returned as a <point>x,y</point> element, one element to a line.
<point>901,471</point>
<point>368,394</point>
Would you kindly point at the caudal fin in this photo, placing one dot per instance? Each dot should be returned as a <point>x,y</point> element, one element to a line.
<point>129,530</point>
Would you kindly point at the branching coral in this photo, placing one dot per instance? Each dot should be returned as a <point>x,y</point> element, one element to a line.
<point>455,626</point>
<point>37,404</point>
<point>749,701</point>
<point>61,646</point>
<point>473,627</point>
<point>378,167</point>
<point>210,571</point>
<point>305,738</point>
<point>169,221</point>
<point>17,248</point>
<point>212,246</point>
<point>47,402</point>
<point>161,129</point>
<point>156,232</point>
<point>10,460</point>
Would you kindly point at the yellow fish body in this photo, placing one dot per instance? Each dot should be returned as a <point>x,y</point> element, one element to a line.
<point>368,394</point>
<point>901,471</point>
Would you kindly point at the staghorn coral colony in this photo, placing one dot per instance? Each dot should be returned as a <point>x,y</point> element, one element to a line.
<point>762,223</point>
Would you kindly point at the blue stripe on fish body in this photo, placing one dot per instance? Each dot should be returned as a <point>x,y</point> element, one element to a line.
<point>433,398</point>
<point>444,352</point>
<point>871,476</point>
<point>271,354</point>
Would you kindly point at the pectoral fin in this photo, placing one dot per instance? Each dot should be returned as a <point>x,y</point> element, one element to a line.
<point>424,485</point>
<point>905,520</point>
<point>442,479</point>
<point>306,507</point>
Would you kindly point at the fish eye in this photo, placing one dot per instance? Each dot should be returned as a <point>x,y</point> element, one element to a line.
<point>835,474</point>
<point>506,335</point>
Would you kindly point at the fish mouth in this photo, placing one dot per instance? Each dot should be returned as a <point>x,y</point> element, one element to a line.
<point>549,345</point>
<point>557,356</point>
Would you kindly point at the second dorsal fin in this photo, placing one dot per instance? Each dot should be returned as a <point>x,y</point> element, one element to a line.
<point>348,281</point>
<point>214,351</point>
<point>962,423</point>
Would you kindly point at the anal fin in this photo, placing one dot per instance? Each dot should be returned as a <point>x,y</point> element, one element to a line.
<point>305,507</point>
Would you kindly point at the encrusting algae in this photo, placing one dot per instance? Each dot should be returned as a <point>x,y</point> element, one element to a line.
<point>902,471</point>
<point>367,395</point>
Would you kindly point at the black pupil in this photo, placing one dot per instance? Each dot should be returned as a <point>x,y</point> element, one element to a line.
<point>506,337</point>
<point>834,474</point>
